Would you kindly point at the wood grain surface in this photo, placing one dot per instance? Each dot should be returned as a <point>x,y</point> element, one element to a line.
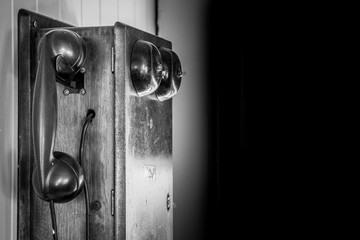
<point>98,159</point>
<point>128,148</point>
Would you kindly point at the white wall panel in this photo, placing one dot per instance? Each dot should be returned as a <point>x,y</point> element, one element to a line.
<point>126,10</point>
<point>28,4</point>
<point>6,127</point>
<point>49,8</point>
<point>109,12</point>
<point>140,14</point>
<point>91,13</point>
<point>150,16</point>
<point>71,12</point>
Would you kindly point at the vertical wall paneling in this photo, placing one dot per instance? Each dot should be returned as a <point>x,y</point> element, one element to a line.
<point>140,14</point>
<point>13,113</point>
<point>109,12</point>
<point>13,138</point>
<point>150,16</point>
<point>70,12</point>
<point>126,11</point>
<point>28,4</point>
<point>49,8</point>
<point>6,125</point>
<point>91,12</point>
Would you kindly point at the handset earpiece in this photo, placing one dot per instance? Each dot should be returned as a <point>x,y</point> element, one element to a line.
<point>57,177</point>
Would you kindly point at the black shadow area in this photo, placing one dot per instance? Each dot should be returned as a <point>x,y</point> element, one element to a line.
<point>258,130</point>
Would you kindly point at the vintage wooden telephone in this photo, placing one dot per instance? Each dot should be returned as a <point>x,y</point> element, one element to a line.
<point>125,77</point>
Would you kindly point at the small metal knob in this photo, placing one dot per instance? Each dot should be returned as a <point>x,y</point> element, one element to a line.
<point>66,92</point>
<point>82,91</point>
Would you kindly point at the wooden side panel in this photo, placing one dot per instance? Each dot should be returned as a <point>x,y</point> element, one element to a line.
<point>120,144</point>
<point>148,156</point>
<point>144,150</point>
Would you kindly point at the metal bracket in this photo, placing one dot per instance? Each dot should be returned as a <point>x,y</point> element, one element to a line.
<point>65,75</point>
<point>74,84</point>
<point>168,202</point>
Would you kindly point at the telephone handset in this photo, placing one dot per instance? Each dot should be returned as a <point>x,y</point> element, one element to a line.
<point>57,176</point>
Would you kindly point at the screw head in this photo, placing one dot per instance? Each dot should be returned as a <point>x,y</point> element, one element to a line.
<point>82,91</point>
<point>35,23</point>
<point>96,205</point>
<point>180,74</point>
<point>82,70</point>
<point>66,92</point>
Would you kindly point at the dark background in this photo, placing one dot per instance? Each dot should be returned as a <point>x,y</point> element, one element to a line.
<point>266,130</point>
